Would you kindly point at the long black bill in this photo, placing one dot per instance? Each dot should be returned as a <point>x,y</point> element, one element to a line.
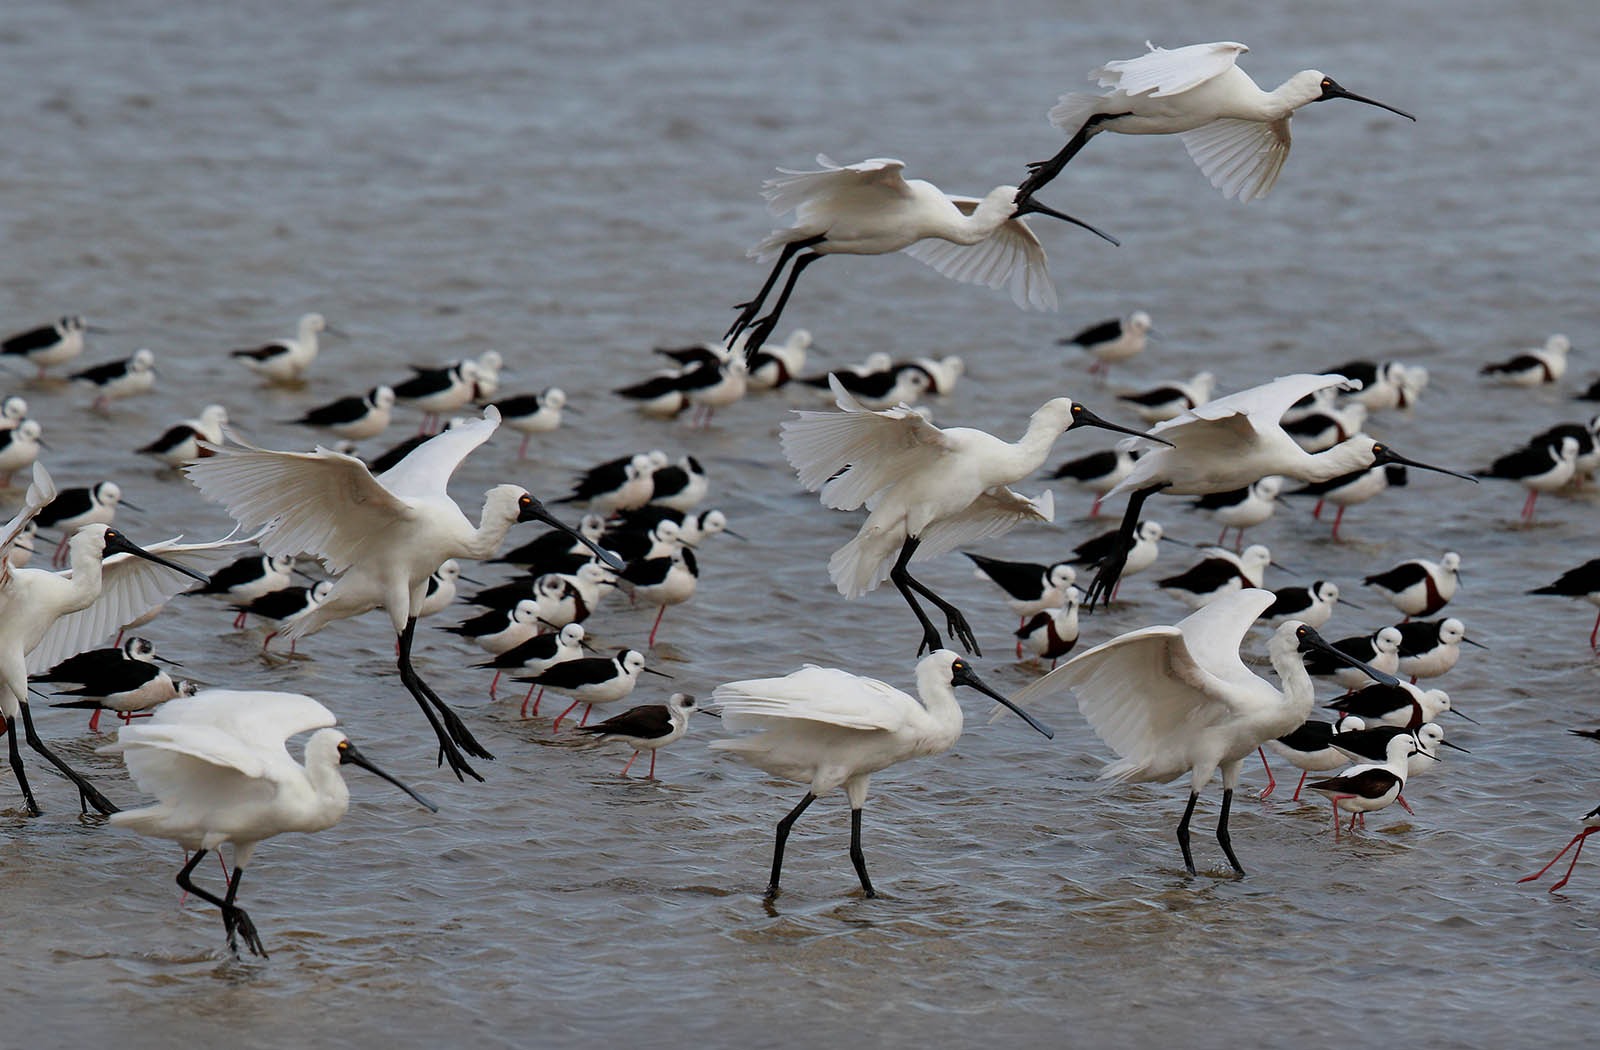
<point>1458,747</point>
<point>117,543</point>
<point>1310,641</point>
<point>1030,205</point>
<point>1082,417</point>
<point>962,674</point>
<point>648,670</point>
<point>1342,601</point>
<point>349,754</point>
<point>530,509</point>
<point>1332,90</point>
<point>1463,714</point>
<point>1469,641</point>
<point>1385,454</point>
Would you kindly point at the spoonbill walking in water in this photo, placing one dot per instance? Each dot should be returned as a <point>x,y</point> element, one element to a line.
<point>219,768</point>
<point>869,209</point>
<point>1175,700</point>
<point>1237,133</point>
<point>930,490</point>
<point>827,728</point>
<point>381,536</point>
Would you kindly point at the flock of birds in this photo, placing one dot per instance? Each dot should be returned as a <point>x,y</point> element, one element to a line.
<point>1168,700</point>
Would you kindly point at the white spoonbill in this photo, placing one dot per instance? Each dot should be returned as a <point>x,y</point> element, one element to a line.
<point>1175,700</point>
<point>868,208</point>
<point>219,768</point>
<point>47,616</point>
<point>930,490</point>
<point>1232,442</point>
<point>1237,133</point>
<point>828,728</point>
<point>382,537</point>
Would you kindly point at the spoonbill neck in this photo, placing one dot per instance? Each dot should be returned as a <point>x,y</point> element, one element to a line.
<point>1298,692</point>
<point>1346,457</point>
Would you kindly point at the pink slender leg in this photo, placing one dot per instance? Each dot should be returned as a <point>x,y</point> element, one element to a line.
<point>1223,536</point>
<point>497,682</point>
<point>94,721</point>
<point>238,621</point>
<point>1527,508</point>
<point>1579,837</point>
<point>1594,632</point>
<point>1094,508</point>
<point>653,776</point>
<point>1316,512</point>
<point>564,714</point>
<point>268,640</point>
<point>1272,781</point>
<point>1297,787</point>
<point>522,453</point>
<point>1576,854</point>
<point>1352,828</point>
<point>585,719</point>
<point>1337,518</point>
<point>1405,805</point>
<point>629,765</point>
<point>659,614</point>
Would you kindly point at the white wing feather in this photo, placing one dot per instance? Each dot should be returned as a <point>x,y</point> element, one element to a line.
<point>996,511</point>
<point>425,472</point>
<point>1263,405</point>
<point>1164,72</point>
<point>323,503</point>
<point>815,694</point>
<point>1242,158</point>
<point>130,587</point>
<point>1011,255</point>
<point>878,447</point>
<point>40,492</point>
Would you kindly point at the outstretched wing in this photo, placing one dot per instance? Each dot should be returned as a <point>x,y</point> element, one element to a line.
<point>425,472</point>
<point>815,694</point>
<point>130,587</point>
<point>1011,255</point>
<point>1261,406</point>
<point>995,512</point>
<point>1164,72</point>
<point>1242,158</point>
<point>878,448</point>
<point>322,503</point>
<point>40,492</point>
<point>795,190</point>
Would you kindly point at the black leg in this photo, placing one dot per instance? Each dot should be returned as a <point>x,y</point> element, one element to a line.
<point>1222,832</point>
<point>240,922</point>
<point>188,886</point>
<point>903,583</point>
<point>761,330</point>
<point>451,727</point>
<point>16,767</point>
<point>858,858</point>
<point>87,794</point>
<point>1105,580</point>
<point>748,310</point>
<point>1041,172</point>
<point>1183,832</point>
<point>783,836</point>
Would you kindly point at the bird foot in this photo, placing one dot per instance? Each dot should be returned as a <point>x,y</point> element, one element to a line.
<point>931,642</point>
<point>238,925</point>
<point>961,631</point>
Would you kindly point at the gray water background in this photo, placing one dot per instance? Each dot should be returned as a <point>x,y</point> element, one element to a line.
<point>572,184</point>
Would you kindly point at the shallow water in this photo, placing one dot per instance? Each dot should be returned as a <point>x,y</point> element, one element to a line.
<point>574,186</point>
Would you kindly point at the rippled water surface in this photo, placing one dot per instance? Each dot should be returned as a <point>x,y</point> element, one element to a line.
<point>572,184</point>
